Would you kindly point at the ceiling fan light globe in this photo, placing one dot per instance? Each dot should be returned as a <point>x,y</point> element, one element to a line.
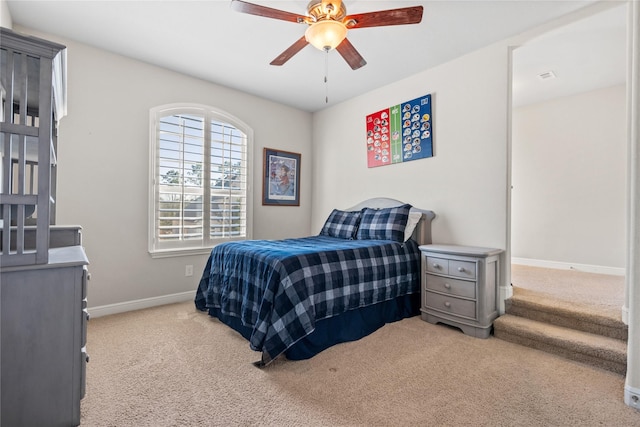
<point>326,35</point>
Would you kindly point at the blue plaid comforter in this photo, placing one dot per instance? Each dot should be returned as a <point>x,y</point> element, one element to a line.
<point>280,288</point>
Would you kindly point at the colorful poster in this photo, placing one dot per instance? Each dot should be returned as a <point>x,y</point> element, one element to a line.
<point>400,133</point>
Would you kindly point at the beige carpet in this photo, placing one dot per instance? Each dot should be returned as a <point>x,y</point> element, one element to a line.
<point>600,290</point>
<point>174,366</point>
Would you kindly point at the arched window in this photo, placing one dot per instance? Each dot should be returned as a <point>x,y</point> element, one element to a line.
<point>200,179</point>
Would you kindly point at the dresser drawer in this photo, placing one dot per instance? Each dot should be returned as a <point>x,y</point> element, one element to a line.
<point>83,371</point>
<point>85,278</point>
<point>85,319</point>
<point>451,305</point>
<point>447,285</point>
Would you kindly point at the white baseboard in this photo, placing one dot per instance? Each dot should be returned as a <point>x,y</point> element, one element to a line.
<point>625,315</point>
<point>632,396</point>
<point>587,268</point>
<point>506,292</point>
<point>122,307</point>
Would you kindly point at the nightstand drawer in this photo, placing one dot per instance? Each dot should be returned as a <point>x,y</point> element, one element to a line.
<point>451,286</point>
<point>451,305</point>
<point>463,269</point>
<point>437,265</point>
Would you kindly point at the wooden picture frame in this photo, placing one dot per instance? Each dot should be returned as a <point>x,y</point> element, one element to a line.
<point>281,178</point>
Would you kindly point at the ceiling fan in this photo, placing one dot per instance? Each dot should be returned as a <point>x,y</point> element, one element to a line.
<point>328,25</point>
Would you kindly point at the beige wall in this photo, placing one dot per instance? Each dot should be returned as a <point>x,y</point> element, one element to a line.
<point>464,183</point>
<point>569,180</point>
<point>5,16</point>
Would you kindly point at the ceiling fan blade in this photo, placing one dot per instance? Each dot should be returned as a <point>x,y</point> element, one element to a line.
<point>406,15</point>
<point>268,12</point>
<point>290,51</point>
<point>351,55</point>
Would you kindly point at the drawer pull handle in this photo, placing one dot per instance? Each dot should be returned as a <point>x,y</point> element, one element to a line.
<point>447,304</point>
<point>461,269</point>
<point>437,266</point>
<point>448,286</point>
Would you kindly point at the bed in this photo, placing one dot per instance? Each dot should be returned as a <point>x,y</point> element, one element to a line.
<point>298,297</point>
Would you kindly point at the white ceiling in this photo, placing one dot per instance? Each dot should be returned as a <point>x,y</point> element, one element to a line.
<point>206,39</point>
<point>585,55</point>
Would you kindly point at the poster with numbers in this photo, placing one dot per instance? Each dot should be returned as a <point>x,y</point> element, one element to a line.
<point>400,133</point>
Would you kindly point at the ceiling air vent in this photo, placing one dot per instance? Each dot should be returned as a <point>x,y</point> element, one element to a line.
<point>547,75</point>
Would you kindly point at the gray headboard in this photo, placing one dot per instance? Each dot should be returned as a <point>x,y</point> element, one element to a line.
<point>422,233</point>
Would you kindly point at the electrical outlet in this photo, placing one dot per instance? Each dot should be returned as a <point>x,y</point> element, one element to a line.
<point>188,270</point>
<point>632,397</point>
<point>633,401</point>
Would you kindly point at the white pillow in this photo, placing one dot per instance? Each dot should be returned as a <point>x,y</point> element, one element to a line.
<point>412,221</point>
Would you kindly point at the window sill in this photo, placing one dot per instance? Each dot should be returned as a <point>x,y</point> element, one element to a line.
<point>170,253</point>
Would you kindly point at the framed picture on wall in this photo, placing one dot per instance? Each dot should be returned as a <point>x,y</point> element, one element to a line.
<point>281,178</point>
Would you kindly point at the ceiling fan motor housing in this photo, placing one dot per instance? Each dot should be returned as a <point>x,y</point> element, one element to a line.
<point>319,9</point>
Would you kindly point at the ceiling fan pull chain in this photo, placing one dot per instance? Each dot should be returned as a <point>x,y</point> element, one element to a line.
<point>326,75</point>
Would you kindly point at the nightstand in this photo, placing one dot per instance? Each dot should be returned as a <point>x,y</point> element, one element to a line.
<point>459,287</point>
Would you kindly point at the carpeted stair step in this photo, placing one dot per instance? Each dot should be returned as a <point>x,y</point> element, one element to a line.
<point>582,317</point>
<point>596,350</point>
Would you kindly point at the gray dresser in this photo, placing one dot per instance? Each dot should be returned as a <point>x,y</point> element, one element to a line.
<point>43,274</point>
<point>459,287</point>
<point>43,317</point>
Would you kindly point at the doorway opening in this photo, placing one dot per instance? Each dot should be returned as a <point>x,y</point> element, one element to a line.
<point>568,161</point>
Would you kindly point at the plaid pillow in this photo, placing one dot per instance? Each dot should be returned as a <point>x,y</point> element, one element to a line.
<point>341,224</point>
<point>383,224</point>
